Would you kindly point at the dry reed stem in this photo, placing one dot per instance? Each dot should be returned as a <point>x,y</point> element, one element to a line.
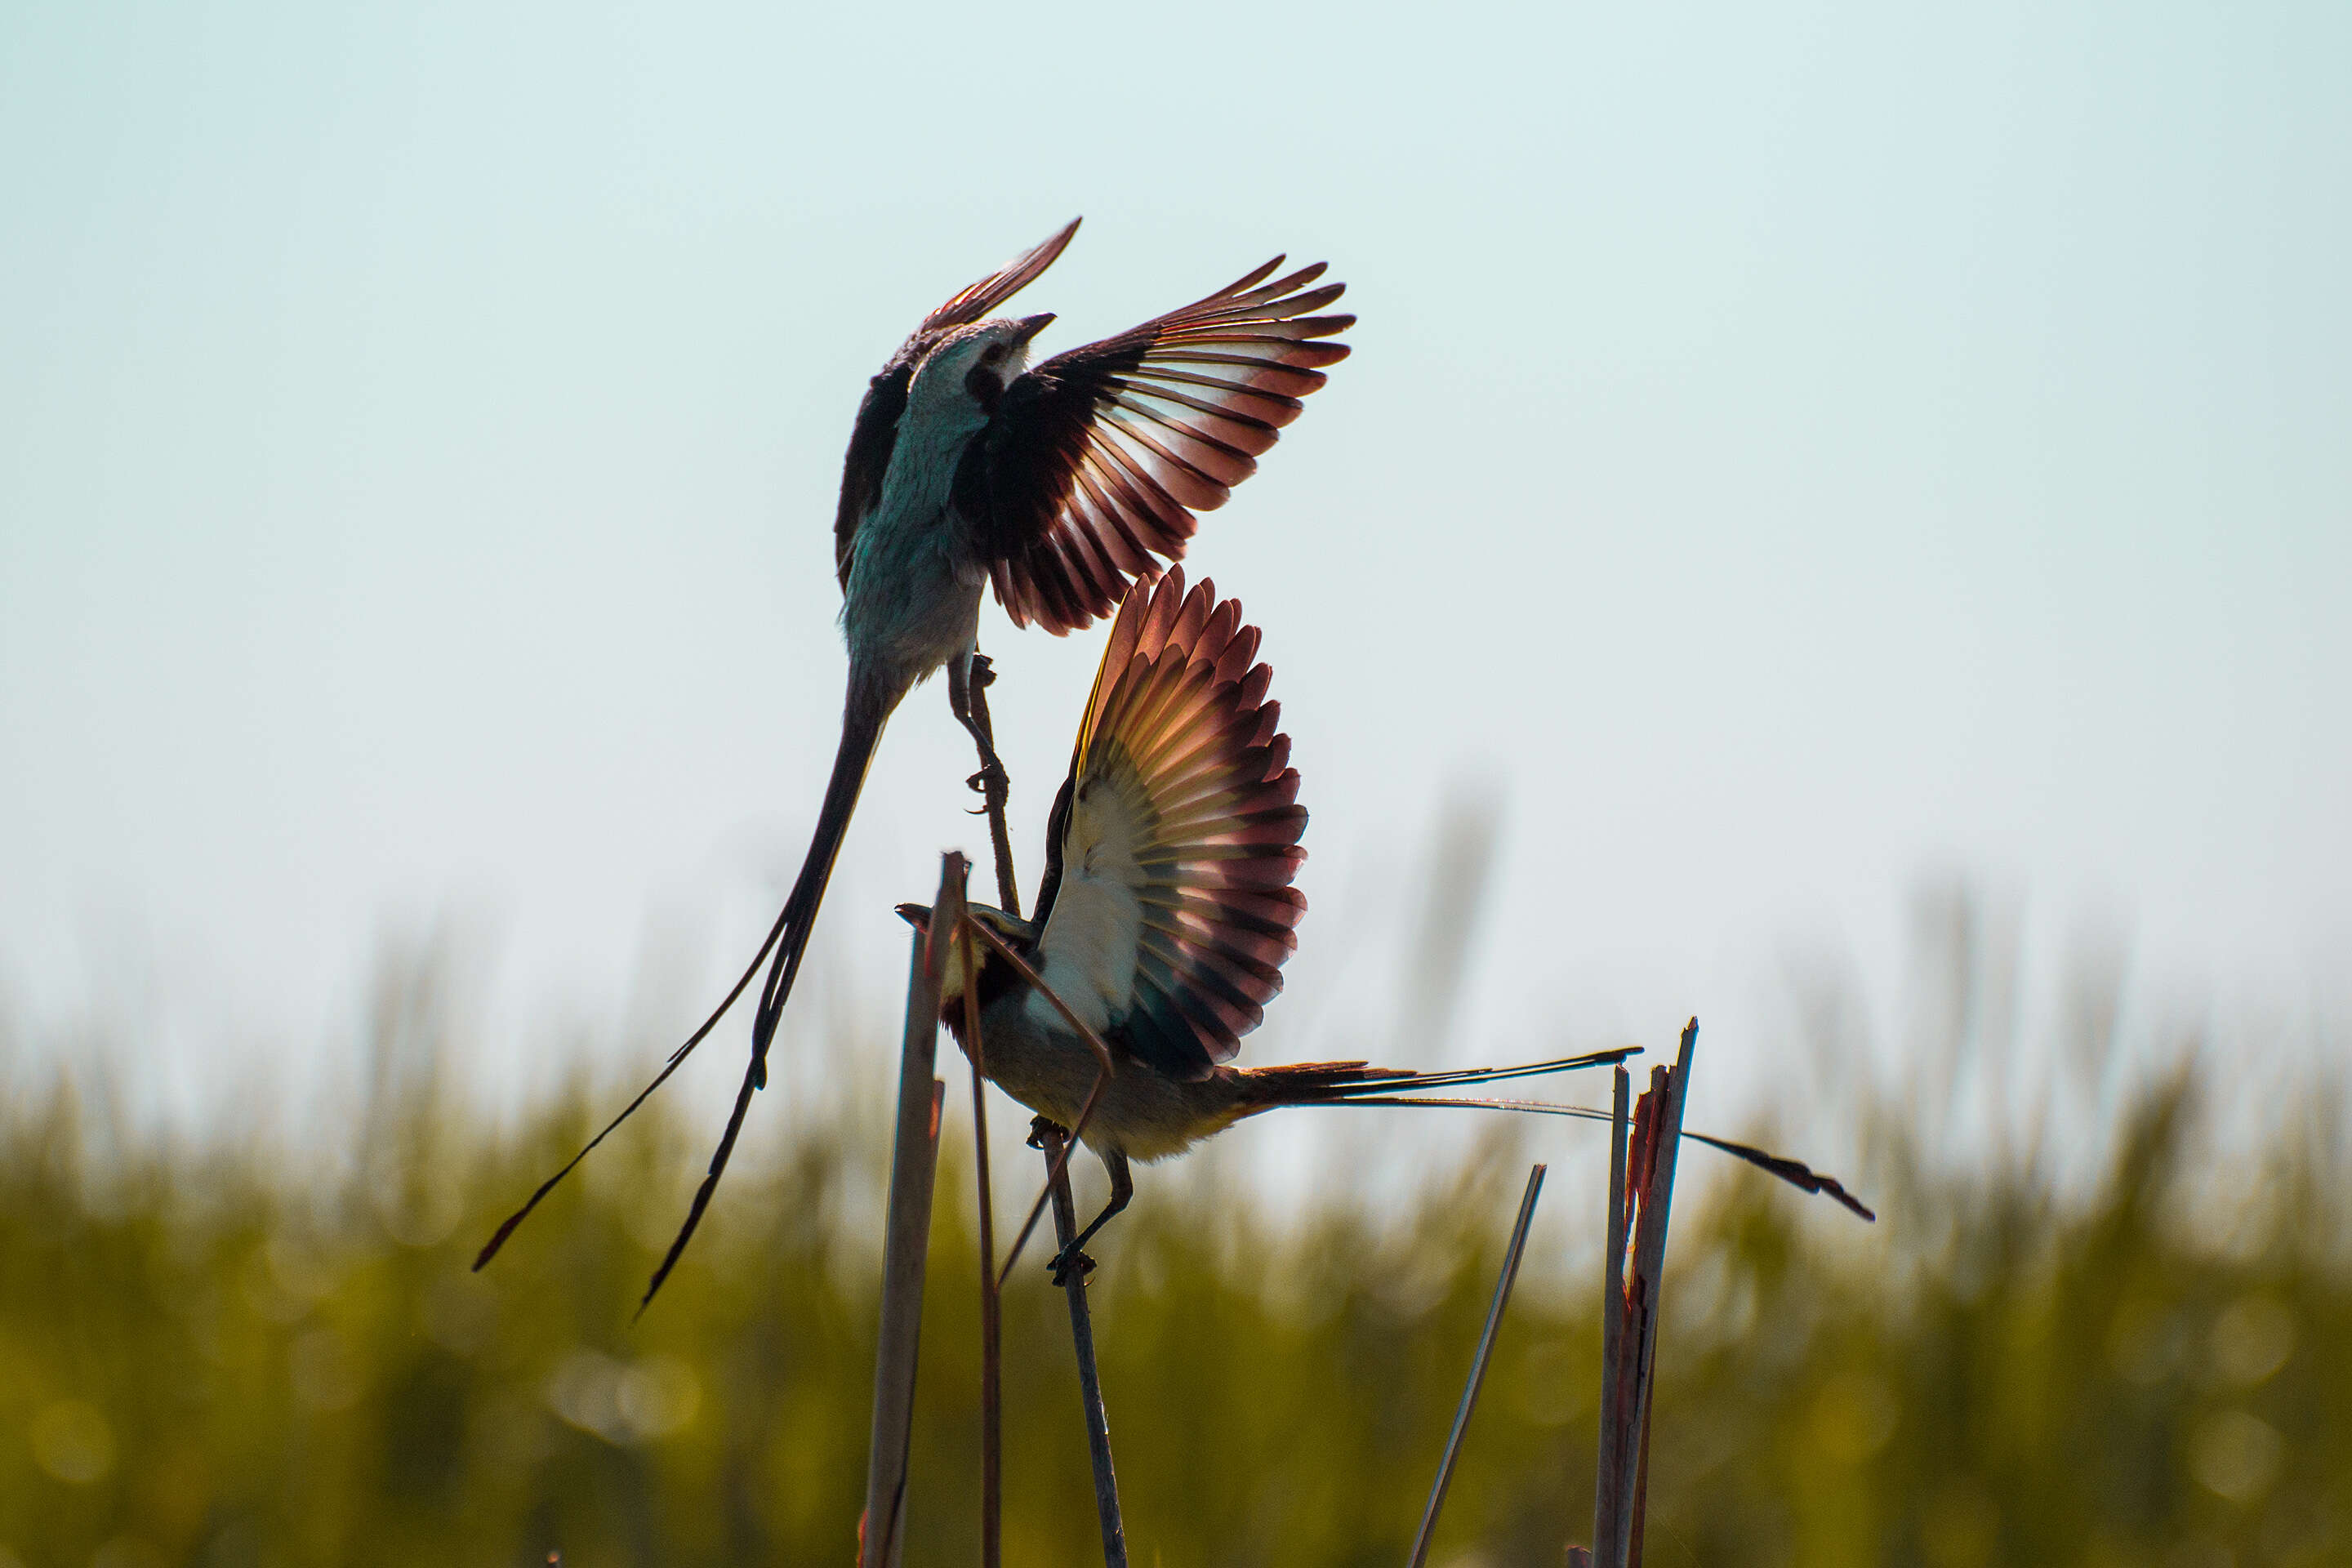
<point>1612,1323</point>
<point>992,1332</point>
<point>1511,1256</point>
<point>1082,1339</point>
<point>1057,1170</point>
<point>1058,1167</point>
<point>914,1162</point>
<point>1658,1198</point>
<point>1000,838</point>
<point>1648,1182</point>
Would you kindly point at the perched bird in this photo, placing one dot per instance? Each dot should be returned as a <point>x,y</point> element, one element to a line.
<point>1059,485</point>
<point>1167,908</point>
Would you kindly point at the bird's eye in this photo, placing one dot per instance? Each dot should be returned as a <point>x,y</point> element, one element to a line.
<point>984,385</point>
<point>991,353</point>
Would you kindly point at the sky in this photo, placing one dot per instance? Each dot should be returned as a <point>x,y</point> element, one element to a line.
<point>1792,457</point>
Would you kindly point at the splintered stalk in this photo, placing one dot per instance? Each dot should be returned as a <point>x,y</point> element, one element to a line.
<point>1612,1325</point>
<point>914,1160</point>
<point>1082,1337</point>
<point>1642,1200</point>
<point>1511,1256</point>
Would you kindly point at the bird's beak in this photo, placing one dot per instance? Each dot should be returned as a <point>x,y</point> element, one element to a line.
<point>1032,325</point>
<point>916,915</point>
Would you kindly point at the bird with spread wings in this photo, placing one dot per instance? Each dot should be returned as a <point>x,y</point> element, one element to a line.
<point>1056,484</point>
<point>1167,910</point>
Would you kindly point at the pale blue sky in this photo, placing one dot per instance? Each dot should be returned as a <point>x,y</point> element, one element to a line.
<point>1789,450</point>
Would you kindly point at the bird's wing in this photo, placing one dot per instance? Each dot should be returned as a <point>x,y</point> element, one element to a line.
<point>877,429</point>
<point>1173,909</point>
<point>969,305</point>
<point>1096,461</point>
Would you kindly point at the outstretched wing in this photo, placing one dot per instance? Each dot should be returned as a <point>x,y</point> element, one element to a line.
<point>1097,459</point>
<point>877,429</point>
<point>1173,909</point>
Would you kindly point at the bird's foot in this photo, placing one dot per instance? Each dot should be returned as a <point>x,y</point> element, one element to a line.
<point>992,780</point>
<point>1069,1261</point>
<point>1041,1125</point>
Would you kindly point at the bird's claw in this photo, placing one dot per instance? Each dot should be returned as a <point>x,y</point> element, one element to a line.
<point>989,780</point>
<point>1068,1259</point>
<point>1041,1125</point>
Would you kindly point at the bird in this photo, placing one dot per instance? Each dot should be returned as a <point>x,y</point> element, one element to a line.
<point>1057,485</point>
<point>1166,910</point>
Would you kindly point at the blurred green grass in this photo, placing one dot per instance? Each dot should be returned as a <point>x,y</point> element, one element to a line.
<point>209,1356</point>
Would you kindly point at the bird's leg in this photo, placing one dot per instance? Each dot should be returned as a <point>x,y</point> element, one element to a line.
<point>1046,1133</point>
<point>969,679</point>
<point>1123,1188</point>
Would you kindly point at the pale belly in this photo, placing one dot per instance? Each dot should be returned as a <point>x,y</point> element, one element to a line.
<point>1140,1115</point>
<point>912,605</point>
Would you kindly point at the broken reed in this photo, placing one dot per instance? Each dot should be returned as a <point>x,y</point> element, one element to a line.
<point>913,1169</point>
<point>914,1164</point>
<point>1641,1158</point>
<point>1641,1190</point>
<point>1641,1187</point>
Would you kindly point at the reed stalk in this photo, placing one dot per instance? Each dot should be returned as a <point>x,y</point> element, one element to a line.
<point>992,1328</point>
<point>1051,1139</point>
<point>1640,1199</point>
<point>914,1162</point>
<point>1511,1256</point>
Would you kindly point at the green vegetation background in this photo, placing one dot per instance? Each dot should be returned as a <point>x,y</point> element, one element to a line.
<point>224,1358</point>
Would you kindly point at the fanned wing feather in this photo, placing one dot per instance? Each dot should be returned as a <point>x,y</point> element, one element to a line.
<point>1173,909</point>
<point>972,304</point>
<point>1097,458</point>
<point>875,431</point>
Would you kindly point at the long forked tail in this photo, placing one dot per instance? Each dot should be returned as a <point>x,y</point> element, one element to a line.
<point>1336,1083</point>
<point>788,938</point>
<point>1371,1088</point>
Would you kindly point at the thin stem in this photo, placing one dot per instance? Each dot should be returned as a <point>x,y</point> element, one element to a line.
<point>1082,1337</point>
<point>1057,1170</point>
<point>1607,1501</point>
<point>1021,967</point>
<point>998,787</point>
<point>991,1385</point>
<point>1511,1256</point>
<point>1085,1113</point>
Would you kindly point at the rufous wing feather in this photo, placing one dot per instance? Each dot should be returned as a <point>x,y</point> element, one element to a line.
<point>1097,459</point>
<point>1175,910</point>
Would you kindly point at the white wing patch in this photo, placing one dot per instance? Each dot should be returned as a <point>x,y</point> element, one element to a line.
<point>1174,908</point>
<point>1094,935</point>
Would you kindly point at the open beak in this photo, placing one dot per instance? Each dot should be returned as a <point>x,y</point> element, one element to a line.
<point>1032,325</point>
<point>916,915</point>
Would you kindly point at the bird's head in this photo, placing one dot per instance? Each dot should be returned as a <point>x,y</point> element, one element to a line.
<point>991,973</point>
<point>959,380</point>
